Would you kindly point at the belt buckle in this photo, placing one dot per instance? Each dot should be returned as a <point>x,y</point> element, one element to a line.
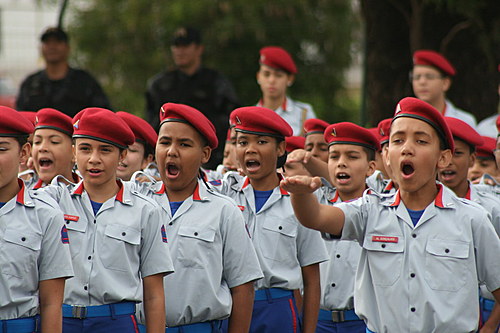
<point>338,316</point>
<point>79,311</point>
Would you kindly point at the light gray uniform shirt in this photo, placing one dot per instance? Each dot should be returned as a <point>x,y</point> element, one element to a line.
<point>113,250</point>
<point>212,253</point>
<point>282,244</point>
<point>33,248</point>
<point>423,278</point>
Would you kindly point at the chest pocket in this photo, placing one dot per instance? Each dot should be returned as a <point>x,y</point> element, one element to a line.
<point>446,264</point>
<point>278,239</point>
<point>77,236</point>
<point>385,260</point>
<point>19,252</point>
<point>193,244</point>
<point>120,248</point>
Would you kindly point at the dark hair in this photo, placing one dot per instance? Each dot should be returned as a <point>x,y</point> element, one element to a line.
<point>148,149</point>
<point>22,140</point>
<point>472,148</point>
<point>370,153</point>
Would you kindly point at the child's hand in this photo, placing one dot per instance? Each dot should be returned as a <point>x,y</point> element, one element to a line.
<point>299,156</point>
<point>301,184</point>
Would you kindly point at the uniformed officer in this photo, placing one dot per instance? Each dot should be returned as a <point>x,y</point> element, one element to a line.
<point>454,176</point>
<point>34,256</point>
<point>289,254</point>
<point>52,153</point>
<point>431,78</point>
<point>276,73</point>
<point>140,154</point>
<point>117,235</point>
<point>424,249</point>
<point>352,159</point>
<point>215,263</point>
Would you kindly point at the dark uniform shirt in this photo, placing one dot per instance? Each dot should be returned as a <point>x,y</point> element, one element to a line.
<point>206,90</point>
<point>69,95</point>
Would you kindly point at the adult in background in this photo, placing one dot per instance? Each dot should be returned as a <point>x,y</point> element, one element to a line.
<point>431,78</point>
<point>59,85</point>
<point>192,84</point>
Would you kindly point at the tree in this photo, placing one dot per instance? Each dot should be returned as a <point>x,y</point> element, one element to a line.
<point>127,42</point>
<point>466,32</point>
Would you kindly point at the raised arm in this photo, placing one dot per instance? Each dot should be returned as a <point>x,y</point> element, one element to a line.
<point>307,209</point>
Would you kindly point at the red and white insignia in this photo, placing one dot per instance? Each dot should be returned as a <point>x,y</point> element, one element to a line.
<point>385,239</point>
<point>238,121</point>
<point>398,109</point>
<point>36,120</point>
<point>162,111</point>
<point>334,132</point>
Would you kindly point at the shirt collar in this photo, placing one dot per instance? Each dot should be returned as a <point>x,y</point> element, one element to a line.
<point>442,199</point>
<point>122,196</point>
<point>198,193</point>
<point>284,106</point>
<point>246,182</point>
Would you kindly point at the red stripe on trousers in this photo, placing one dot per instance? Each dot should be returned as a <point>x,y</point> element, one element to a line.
<point>135,323</point>
<point>294,316</point>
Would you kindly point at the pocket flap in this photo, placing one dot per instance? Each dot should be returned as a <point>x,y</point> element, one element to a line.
<point>27,239</point>
<point>282,226</point>
<point>198,232</point>
<point>384,243</point>
<point>123,233</point>
<point>448,248</point>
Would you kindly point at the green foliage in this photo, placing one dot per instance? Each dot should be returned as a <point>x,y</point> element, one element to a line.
<point>124,43</point>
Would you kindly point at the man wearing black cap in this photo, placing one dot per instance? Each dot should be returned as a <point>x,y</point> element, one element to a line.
<point>190,83</point>
<point>58,85</point>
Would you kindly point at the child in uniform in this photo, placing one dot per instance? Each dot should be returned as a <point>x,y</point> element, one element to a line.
<point>352,159</point>
<point>289,254</point>
<point>215,263</point>
<point>485,165</point>
<point>117,235</point>
<point>424,250</point>
<point>34,256</point>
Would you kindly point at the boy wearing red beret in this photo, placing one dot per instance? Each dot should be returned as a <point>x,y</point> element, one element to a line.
<point>276,73</point>
<point>215,263</point>
<point>485,165</point>
<point>424,250</point>
<point>34,259</point>
<point>289,254</point>
<point>118,243</point>
<point>431,78</point>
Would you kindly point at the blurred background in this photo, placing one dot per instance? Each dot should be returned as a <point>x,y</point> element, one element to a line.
<point>353,56</point>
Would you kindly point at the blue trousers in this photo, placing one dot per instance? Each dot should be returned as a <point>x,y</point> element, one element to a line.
<point>353,326</point>
<point>276,315</point>
<point>117,323</point>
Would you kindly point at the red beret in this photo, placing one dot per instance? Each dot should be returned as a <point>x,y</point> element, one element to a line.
<point>185,114</point>
<point>294,142</point>
<point>415,108</point>
<point>383,128</point>
<point>53,119</point>
<point>315,126</point>
<point>143,132</point>
<point>352,134</point>
<point>260,121</point>
<point>30,115</point>
<point>486,150</point>
<point>102,125</point>
<point>434,59</point>
<point>277,58</point>
<point>11,125</point>
<point>463,131</point>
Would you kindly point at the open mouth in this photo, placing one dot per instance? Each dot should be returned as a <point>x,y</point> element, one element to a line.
<point>45,162</point>
<point>407,168</point>
<point>342,177</point>
<point>447,174</point>
<point>94,171</point>
<point>252,165</point>
<point>172,170</point>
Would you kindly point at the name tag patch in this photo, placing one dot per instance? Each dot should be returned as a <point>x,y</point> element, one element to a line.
<point>71,217</point>
<point>385,239</point>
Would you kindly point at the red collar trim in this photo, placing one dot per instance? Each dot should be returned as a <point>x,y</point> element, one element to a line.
<point>437,202</point>
<point>20,194</point>
<point>119,195</point>
<point>283,106</point>
<point>79,189</point>
<point>335,197</point>
<point>282,191</point>
<point>196,192</point>
<point>389,186</point>
<point>245,183</point>
<point>468,194</point>
<point>444,109</point>
<point>38,184</point>
<point>161,190</point>
<point>397,200</point>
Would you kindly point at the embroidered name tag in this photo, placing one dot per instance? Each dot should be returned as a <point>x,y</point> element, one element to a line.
<point>385,239</point>
<point>71,217</point>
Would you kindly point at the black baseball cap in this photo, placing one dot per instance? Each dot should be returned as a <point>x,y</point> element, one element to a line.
<point>54,32</point>
<point>186,36</point>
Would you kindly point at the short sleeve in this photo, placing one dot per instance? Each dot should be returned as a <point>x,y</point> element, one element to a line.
<point>355,219</point>
<point>311,248</point>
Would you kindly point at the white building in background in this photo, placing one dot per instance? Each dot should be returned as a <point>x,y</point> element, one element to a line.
<point>21,24</point>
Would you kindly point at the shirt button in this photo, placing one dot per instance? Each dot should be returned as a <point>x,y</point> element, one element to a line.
<point>85,287</point>
<point>412,309</point>
<point>23,239</point>
<point>333,284</point>
<point>94,221</point>
<point>447,250</point>
<point>124,233</point>
<point>280,227</point>
<point>414,235</point>
<point>89,257</point>
<point>383,246</point>
<point>412,275</point>
<point>170,223</point>
<point>67,222</point>
<point>338,255</point>
<point>196,234</point>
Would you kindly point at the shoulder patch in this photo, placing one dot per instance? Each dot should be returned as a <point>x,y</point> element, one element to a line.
<point>64,235</point>
<point>215,182</point>
<point>164,234</point>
